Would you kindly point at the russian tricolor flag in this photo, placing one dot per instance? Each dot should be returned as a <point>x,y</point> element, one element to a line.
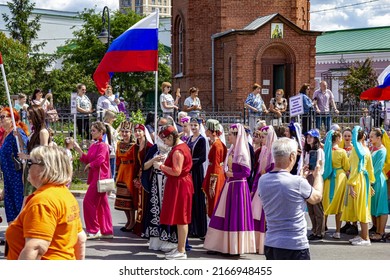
<point>136,50</point>
<point>382,91</point>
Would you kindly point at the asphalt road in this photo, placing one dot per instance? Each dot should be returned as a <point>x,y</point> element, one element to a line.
<point>127,246</point>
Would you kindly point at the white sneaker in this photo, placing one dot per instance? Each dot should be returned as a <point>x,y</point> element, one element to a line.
<point>356,238</point>
<point>176,256</point>
<point>91,236</point>
<point>168,246</point>
<point>155,243</point>
<point>107,236</point>
<point>361,242</point>
<point>336,235</point>
<point>171,252</point>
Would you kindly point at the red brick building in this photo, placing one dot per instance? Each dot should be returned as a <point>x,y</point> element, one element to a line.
<point>224,46</point>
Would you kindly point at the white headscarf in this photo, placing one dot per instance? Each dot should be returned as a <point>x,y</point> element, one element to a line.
<point>202,132</point>
<point>240,149</point>
<point>222,136</point>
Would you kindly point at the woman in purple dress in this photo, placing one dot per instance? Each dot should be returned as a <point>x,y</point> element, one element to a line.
<point>265,164</point>
<point>231,229</point>
<point>186,134</point>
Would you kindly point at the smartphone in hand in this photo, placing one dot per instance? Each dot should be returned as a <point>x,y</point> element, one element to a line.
<point>313,156</point>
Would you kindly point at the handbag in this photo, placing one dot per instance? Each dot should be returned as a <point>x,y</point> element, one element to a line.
<point>52,115</point>
<point>106,185</point>
<point>17,163</point>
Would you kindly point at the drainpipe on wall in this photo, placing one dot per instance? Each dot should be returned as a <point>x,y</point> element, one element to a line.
<point>212,72</point>
<point>213,37</point>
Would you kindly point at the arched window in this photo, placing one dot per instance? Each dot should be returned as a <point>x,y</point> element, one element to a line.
<point>180,47</point>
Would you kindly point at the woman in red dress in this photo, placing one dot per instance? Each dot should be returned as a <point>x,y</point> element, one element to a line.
<point>215,175</point>
<point>177,199</point>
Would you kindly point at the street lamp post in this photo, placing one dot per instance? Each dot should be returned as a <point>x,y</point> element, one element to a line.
<point>105,36</point>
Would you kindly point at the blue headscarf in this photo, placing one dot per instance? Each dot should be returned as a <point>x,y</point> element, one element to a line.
<point>328,169</point>
<point>360,151</point>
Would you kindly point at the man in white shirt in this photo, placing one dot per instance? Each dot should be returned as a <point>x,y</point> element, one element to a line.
<point>322,97</point>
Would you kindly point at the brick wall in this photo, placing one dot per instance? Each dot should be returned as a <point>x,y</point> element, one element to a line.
<point>244,52</point>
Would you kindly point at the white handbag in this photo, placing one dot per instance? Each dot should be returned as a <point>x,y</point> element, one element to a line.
<point>106,185</point>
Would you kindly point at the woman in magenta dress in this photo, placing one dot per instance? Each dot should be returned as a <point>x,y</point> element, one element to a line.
<point>97,213</point>
<point>179,189</point>
<point>231,228</point>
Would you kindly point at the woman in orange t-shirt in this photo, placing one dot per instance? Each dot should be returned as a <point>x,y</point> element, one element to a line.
<point>49,226</point>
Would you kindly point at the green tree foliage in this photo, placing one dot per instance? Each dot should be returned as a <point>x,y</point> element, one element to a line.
<point>15,56</point>
<point>20,26</point>
<point>26,68</point>
<point>87,51</point>
<point>63,81</point>
<point>361,76</point>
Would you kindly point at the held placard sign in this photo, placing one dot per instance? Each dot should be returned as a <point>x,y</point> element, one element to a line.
<point>387,106</point>
<point>73,105</point>
<point>296,105</point>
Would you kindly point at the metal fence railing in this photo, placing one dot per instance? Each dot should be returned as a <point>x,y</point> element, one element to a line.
<point>345,118</point>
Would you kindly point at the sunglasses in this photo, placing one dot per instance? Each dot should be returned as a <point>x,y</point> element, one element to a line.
<point>30,163</point>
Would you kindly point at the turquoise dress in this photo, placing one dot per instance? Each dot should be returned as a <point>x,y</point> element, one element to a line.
<point>379,205</point>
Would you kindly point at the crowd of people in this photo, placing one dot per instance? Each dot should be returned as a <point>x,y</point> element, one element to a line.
<point>246,194</point>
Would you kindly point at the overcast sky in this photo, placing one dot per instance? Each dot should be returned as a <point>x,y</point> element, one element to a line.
<point>325,14</point>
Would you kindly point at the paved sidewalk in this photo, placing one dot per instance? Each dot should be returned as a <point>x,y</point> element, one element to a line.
<point>127,246</point>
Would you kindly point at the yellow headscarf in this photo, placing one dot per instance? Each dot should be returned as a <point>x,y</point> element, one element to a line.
<point>386,143</point>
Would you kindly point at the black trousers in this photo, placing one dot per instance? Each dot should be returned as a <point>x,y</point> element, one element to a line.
<point>272,253</point>
<point>83,126</point>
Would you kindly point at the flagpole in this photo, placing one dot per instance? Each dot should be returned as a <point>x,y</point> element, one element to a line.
<point>9,100</point>
<point>156,86</point>
<point>155,104</point>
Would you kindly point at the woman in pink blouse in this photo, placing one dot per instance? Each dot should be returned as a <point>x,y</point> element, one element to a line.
<point>97,214</point>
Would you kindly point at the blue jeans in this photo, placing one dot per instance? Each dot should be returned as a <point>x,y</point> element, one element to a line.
<point>323,119</point>
<point>112,166</point>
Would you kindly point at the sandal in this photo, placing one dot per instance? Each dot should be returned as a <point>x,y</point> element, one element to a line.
<point>375,238</point>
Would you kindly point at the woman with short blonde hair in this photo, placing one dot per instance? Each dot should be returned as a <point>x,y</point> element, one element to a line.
<point>49,226</point>
<point>57,168</point>
<point>167,103</point>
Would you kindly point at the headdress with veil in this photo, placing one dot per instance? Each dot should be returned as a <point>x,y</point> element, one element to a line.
<point>240,149</point>
<point>202,132</point>
<point>266,159</point>
<point>298,131</point>
<point>222,136</point>
<point>172,121</point>
<point>147,134</point>
<point>158,149</point>
<point>248,134</point>
<point>386,143</point>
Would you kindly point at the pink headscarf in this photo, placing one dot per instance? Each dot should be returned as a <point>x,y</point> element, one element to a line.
<point>185,120</point>
<point>240,149</point>
<point>266,158</point>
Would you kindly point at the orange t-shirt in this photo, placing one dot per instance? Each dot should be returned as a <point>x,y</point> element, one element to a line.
<point>51,213</point>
